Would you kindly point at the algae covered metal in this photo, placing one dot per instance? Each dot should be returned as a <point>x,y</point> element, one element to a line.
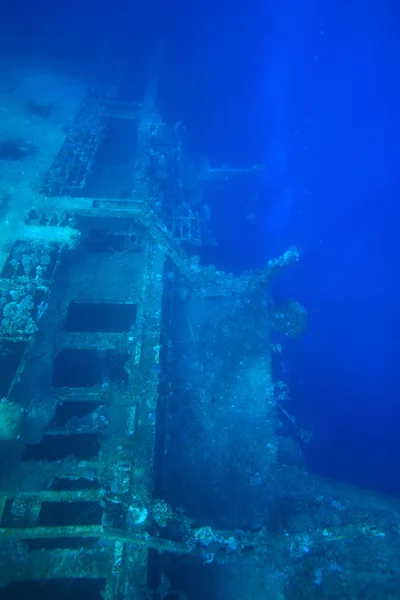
<point>142,426</point>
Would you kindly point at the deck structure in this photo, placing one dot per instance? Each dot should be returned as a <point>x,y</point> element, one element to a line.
<point>102,294</point>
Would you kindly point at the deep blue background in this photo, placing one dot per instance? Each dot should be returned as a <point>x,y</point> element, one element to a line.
<point>312,90</point>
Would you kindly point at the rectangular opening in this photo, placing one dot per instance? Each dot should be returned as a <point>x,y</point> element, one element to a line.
<point>66,411</point>
<point>87,368</point>
<point>62,589</point>
<point>62,514</point>
<point>113,242</point>
<point>70,484</point>
<point>104,318</point>
<point>59,447</point>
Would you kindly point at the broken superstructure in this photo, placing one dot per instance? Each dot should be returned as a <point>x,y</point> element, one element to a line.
<point>110,326</point>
